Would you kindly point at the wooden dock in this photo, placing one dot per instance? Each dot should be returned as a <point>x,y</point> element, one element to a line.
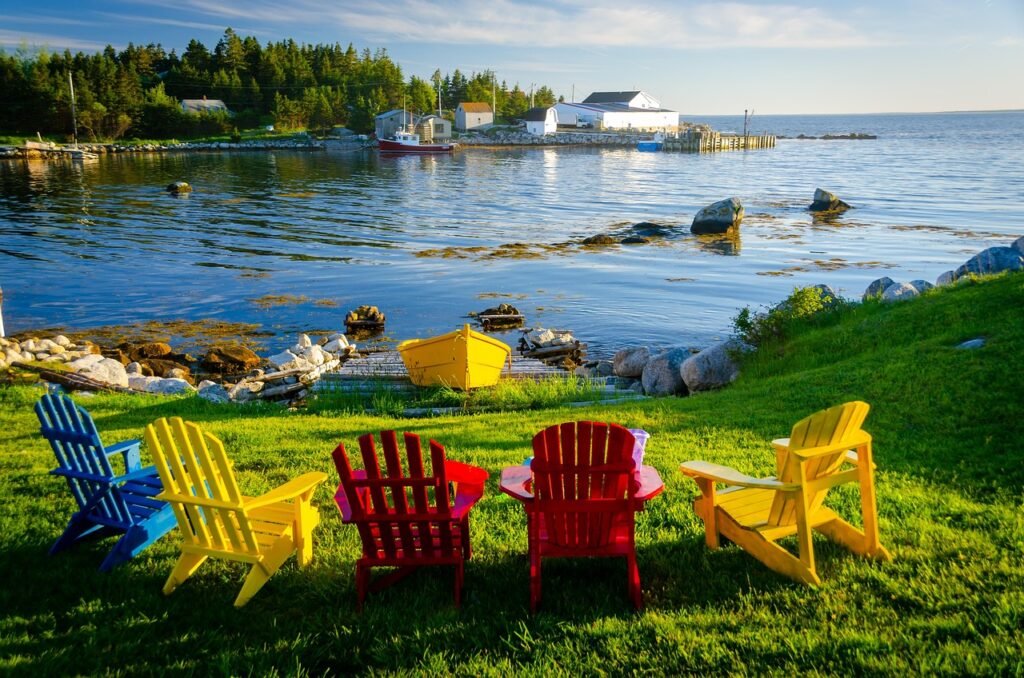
<point>710,141</point>
<point>387,366</point>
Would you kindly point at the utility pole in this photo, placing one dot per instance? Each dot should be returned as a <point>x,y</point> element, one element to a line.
<point>494,97</point>
<point>439,92</point>
<point>573,93</point>
<point>74,122</point>
<point>532,85</point>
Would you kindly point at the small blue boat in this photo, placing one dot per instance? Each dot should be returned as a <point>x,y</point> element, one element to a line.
<point>651,145</point>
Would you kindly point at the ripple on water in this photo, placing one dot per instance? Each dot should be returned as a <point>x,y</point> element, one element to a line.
<point>428,238</point>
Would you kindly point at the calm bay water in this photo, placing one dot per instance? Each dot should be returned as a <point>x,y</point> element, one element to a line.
<point>83,245</point>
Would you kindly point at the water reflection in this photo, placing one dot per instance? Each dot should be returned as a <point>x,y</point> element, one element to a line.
<point>103,243</point>
<point>727,244</point>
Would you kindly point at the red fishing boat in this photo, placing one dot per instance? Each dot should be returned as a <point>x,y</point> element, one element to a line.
<point>407,142</point>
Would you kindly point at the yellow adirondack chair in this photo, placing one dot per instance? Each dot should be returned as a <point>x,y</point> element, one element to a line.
<point>755,513</point>
<point>216,519</point>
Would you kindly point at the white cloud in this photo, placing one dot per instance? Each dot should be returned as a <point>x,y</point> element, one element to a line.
<point>557,23</point>
<point>44,19</point>
<point>198,25</point>
<point>1009,42</point>
<point>50,42</point>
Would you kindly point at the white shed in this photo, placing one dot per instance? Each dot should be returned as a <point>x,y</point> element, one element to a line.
<point>541,121</point>
<point>620,110</point>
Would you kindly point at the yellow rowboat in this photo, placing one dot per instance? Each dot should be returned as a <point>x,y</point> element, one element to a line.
<point>462,359</point>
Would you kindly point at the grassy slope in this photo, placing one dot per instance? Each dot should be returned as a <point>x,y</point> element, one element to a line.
<point>947,427</point>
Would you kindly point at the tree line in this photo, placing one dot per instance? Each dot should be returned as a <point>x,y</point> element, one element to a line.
<point>137,92</point>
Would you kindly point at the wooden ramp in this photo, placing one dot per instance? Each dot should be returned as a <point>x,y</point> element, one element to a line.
<point>387,366</point>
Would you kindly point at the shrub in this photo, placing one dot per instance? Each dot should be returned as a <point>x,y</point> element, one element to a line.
<point>758,328</point>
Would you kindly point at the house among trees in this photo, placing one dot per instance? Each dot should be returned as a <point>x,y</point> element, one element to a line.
<point>386,124</point>
<point>204,105</point>
<point>634,110</point>
<point>541,120</point>
<point>434,128</point>
<point>473,115</point>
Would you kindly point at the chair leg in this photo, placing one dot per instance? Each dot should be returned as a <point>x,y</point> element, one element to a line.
<point>79,527</point>
<point>633,574</point>
<point>186,566</point>
<point>308,518</point>
<point>362,584</point>
<point>704,506</point>
<point>263,570</point>
<point>459,573</point>
<point>467,551</point>
<point>842,532</point>
<point>535,572</point>
<point>130,543</point>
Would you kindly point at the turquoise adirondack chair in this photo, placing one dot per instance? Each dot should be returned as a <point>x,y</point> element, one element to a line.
<point>108,503</point>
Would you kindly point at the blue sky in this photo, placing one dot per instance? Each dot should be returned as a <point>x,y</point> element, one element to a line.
<point>696,57</point>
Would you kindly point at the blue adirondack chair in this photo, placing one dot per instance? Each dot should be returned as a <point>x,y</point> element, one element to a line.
<point>108,503</point>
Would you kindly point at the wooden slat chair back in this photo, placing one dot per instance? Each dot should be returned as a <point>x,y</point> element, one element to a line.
<point>81,458</point>
<point>757,512</point>
<point>200,485</point>
<point>404,510</point>
<point>584,498</point>
<point>108,501</point>
<point>582,480</point>
<point>828,428</point>
<point>216,519</point>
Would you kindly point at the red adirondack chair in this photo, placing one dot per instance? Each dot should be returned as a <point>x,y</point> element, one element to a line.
<point>406,518</point>
<point>581,494</point>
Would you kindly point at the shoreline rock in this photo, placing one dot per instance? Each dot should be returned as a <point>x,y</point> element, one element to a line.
<point>718,217</point>
<point>826,201</point>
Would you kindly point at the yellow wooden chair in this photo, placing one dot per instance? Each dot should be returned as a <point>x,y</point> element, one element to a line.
<point>216,519</point>
<point>755,513</point>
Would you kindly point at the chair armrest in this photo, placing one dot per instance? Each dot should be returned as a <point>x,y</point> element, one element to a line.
<point>458,472</point>
<point>130,450</point>
<point>730,476</point>
<point>514,480</point>
<point>290,490</point>
<point>649,483</point>
<point>862,438</point>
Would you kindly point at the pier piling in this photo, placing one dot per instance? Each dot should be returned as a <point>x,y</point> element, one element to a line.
<point>710,141</point>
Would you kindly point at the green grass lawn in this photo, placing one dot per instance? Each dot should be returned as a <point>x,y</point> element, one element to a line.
<point>947,425</point>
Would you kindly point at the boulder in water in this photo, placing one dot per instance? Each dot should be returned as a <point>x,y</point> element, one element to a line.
<point>826,201</point>
<point>179,188</point>
<point>992,260</point>
<point>718,217</point>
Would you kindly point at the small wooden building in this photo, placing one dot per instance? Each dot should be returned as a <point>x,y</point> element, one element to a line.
<point>204,105</point>
<point>473,115</point>
<point>541,120</point>
<point>434,128</point>
<point>387,123</point>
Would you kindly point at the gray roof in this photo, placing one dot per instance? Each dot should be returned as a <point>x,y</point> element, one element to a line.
<point>202,105</point>
<point>539,114</point>
<point>610,97</point>
<point>619,108</point>
<point>388,114</point>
